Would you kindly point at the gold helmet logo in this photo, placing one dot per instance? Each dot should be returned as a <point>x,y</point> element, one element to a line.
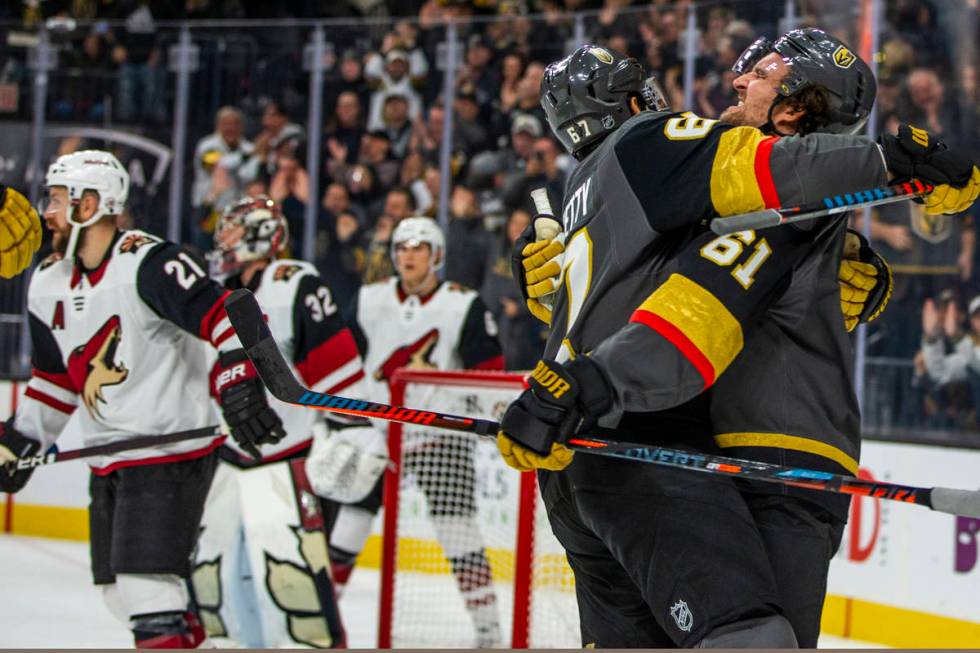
<point>843,57</point>
<point>601,54</point>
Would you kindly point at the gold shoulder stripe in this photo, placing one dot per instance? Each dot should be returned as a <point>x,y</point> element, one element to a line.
<point>793,442</point>
<point>735,187</point>
<point>701,317</point>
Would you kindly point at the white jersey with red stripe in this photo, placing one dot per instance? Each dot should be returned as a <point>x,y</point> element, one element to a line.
<point>307,324</point>
<point>121,351</point>
<point>448,329</point>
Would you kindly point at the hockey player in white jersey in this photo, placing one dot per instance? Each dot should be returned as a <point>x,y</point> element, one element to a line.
<point>261,573</point>
<point>415,320</point>
<point>121,324</point>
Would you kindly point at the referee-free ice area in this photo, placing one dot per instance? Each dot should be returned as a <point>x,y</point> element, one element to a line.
<point>49,601</point>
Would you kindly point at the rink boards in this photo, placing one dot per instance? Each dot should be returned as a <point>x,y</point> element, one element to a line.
<point>904,576</point>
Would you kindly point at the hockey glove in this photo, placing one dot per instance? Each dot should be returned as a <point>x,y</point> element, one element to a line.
<point>865,281</point>
<point>916,154</point>
<point>562,400</point>
<point>13,447</point>
<point>246,410</point>
<point>536,266</point>
<point>20,232</point>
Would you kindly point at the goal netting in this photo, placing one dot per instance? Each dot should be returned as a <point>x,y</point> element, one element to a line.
<point>468,556</point>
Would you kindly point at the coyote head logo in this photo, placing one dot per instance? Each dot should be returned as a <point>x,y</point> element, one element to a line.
<point>92,366</point>
<point>416,355</point>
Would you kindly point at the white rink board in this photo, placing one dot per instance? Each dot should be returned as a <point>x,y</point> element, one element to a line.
<point>64,484</point>
<point>918,559</point>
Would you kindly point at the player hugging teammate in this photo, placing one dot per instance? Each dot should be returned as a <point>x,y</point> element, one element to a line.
<point>653,311</point>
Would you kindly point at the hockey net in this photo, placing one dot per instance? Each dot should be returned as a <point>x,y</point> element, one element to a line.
<point>468,556</point>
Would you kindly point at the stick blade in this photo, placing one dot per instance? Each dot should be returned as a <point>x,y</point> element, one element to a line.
<point>249,322</point>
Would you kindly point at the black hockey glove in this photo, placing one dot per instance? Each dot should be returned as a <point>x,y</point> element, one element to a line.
<point>244,405</point>
<point>536,266</point>
<point>916,154</point>
<point>14,446</point>
<point>562,400</point>
<point>865,281</point>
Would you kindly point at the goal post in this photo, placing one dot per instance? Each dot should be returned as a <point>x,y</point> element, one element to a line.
<point>467,557</point>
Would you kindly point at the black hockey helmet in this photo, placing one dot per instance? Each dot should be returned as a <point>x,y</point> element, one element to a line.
<point>817,59</point>
<point>586,95</point>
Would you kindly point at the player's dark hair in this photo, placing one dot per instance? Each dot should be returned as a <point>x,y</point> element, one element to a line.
<point>816,108</point>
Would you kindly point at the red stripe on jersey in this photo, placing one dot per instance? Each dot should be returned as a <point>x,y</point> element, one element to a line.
<point>61,379</point>
<point>763,173</point>
<point>327,357</point>
<point>677,338</point>
<point>495,363</point>
<point>214,315</point>
<point>48,400</point>
<point>353,378</point>
<point>160,460</point>
<point>227,333</point>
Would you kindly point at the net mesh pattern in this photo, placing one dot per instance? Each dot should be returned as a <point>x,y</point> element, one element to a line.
<point>458,512</point>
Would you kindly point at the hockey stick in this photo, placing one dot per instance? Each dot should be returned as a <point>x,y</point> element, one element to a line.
<point>246,316</point>
<point>113,447</point>
<point>819,208</point>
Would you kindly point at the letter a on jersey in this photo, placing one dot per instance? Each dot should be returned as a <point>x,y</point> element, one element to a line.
<point>92,366</point>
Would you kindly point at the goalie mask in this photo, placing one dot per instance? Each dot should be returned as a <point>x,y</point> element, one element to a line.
<point>817,59</point>
<point>89,170</point>
<point>251,229</point>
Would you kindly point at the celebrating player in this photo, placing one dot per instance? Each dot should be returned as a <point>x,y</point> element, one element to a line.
<point>121,324</point>
<point>634,201</point>
<point>263,544</point>
<point>20,232</point>
<point>416,321</point>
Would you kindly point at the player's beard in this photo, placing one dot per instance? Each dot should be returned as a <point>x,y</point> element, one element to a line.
<point>735,115</point>
<point>59,240</point>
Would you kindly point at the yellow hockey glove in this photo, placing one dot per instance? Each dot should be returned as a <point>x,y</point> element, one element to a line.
<point>525,460</point>
<point>865,281</point>
<point>20,232</point>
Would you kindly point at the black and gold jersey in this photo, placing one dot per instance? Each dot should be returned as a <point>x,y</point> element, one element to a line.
<point>664,306</point>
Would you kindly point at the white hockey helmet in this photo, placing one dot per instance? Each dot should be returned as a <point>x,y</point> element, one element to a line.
<point>93,170</point>
<point>420,230</point>
<point>264,235</point>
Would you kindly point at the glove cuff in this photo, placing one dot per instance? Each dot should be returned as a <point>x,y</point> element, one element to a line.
<point>594,390</point>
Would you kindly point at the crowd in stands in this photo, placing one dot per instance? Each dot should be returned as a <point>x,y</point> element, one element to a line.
<point>384,108</point>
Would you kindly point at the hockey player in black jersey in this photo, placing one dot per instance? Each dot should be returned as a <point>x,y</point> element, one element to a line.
<point>633,222</point>
<point>121,324</point>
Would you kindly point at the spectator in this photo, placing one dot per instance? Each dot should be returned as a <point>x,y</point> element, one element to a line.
<point>468,131</point>
<point>946,355</point>
<point>479,73</point>
<point>278,136</point>
<point>927,106</point>
<point>344,130</point>
<point>399,204</point>
<point>397,75</point>
<point>220,172</point>
<point>467,240</point>
<point>347,77</point>
<point>511,71</point>
<point>340,254</point>
<point>141,87</point>
<point>524,132</point>
<point>290,187</point>
<point>521,334</point>
<point>397,124</point>
<point>336,200</point>
<point>412,177</point>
